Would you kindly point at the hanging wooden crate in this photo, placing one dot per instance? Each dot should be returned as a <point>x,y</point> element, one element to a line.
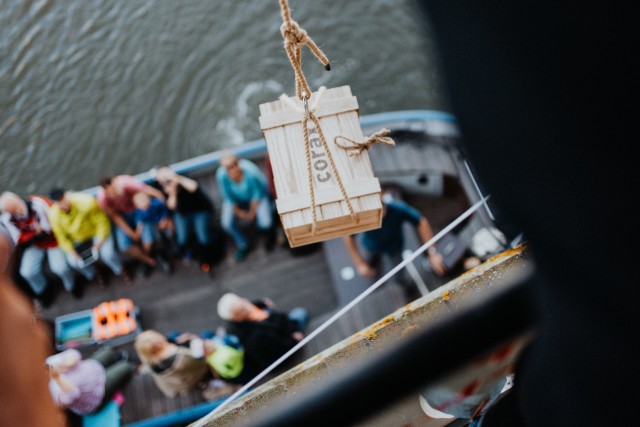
<point>337,112</point>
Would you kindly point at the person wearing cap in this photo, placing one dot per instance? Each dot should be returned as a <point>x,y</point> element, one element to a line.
<point>28,218</point>
<point>265,333</point>
<point>77,219</point>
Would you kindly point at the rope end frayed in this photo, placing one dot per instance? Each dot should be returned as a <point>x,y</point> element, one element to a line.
<point>357,147</point>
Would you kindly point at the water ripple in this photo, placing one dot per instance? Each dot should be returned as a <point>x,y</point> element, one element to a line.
<point>116,87</point>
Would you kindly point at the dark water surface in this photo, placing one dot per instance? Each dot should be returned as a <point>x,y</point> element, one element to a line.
<point>96,87</point>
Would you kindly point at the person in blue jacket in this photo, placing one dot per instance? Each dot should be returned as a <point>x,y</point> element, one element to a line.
<point>367,248</point>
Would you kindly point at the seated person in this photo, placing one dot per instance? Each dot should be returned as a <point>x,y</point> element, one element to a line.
<point>388,240</point>
<point>174,369</point>
<point>152,222</point>
<point>192,213</point>
<point>84,386</point>
<point>28,220</point>
<point>265,333</point>
<point>223,353</point>
<point>76,219</point>
<point>245,197</point>
<point>115,198</point>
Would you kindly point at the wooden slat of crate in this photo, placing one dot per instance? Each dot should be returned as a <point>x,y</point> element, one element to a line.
<point>337,112</point>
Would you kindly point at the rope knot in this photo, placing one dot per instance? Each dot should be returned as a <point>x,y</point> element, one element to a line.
<point>293,34</point>
<point>380,137</point>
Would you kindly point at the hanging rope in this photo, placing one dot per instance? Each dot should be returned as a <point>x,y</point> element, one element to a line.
<point>205,420</point>
<point>380,137</point>
<point>309,115</point>
<point>294,39</point>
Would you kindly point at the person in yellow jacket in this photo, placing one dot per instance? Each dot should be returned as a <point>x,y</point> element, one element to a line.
<point>83,231</point>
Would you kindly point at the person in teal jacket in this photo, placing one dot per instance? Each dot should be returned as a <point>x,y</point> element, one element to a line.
<point>245,198</point>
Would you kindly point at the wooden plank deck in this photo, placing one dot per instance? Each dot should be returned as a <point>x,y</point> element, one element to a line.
<point>186,300</point>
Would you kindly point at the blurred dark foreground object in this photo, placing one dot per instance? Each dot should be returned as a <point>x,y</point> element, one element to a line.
<point>540,90</point>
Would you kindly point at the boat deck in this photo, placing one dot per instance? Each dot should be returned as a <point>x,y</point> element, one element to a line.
<point>186,300</point>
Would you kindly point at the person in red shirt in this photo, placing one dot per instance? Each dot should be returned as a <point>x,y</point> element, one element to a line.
<point>28,222</point>
<point>115,197</point>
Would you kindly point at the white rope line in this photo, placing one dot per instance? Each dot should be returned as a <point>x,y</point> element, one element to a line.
<point>337,315</point>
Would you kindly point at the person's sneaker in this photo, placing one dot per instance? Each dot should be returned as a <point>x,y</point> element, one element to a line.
<point>164,265</point>
<point>145,270</point>
<point>77,291</point>
<point>187,258</point>
<point>43,300</point>
<point>270,240</point>
<point>99,279</point>
<point>241,254</point>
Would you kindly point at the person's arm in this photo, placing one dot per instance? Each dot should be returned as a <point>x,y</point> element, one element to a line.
<point>138,231</point>
<point>66,386</point>
<point>122,224</point>
<point>257,190</point>
<point>435,258</point>
<point>153,192</point>
<point>253,208</point>
<point>171,190</point>
<point>187,183</point>
<point>363,268</point>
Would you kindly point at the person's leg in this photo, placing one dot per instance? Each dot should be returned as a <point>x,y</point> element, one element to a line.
<point>403,276</point>
<point>149,232</point>
<point>204,235</point>
<point>110,256</point>
<point>60,267</point>
<point>105,356</point>
<point>181,223</point>
<point>374,260</point>
<point>300,315</point>
<point>126,245</point>
<point>122,239</point>
<point>31,269</point>
<point>202,226</point>
<point>264,220</point>
<point>117,375</point>
<point>229,223</point>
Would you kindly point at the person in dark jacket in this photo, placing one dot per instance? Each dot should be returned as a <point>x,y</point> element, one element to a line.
<point>265,333</point>
<point>192,213</point>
